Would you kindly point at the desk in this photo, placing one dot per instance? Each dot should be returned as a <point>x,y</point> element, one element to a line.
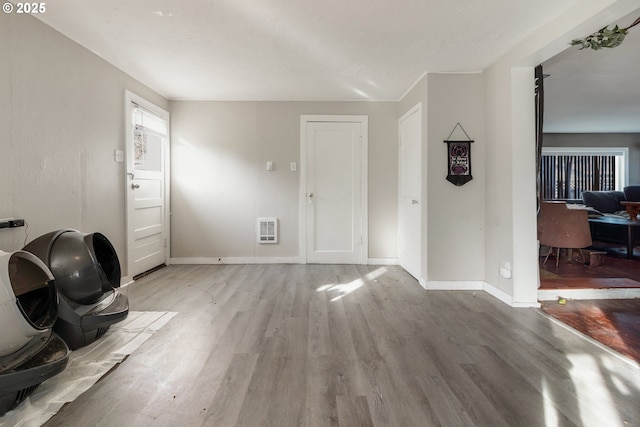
<point>615,225</point>
<point>633,208</point>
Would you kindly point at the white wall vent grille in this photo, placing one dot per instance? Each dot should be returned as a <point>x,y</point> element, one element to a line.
<point>267,230</point>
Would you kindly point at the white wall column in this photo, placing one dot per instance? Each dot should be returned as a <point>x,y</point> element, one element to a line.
<point>525,252</point>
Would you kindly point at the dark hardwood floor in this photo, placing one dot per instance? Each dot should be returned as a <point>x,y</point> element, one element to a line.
<point>614,323</point>
<point>311,345</point>
<point>616,271</point>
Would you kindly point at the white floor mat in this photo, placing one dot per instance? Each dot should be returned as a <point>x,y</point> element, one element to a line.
<point>86,366</point>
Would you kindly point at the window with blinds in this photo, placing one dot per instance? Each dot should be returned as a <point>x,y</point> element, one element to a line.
<point>566,172</point>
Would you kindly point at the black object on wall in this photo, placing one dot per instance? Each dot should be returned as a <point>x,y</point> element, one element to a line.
<point>87,276</point>
<point>458,158</point>
<point>12,223</point>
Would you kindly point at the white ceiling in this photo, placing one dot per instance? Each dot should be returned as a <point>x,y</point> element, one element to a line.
<point>591,91</point>
<point>296,49</point>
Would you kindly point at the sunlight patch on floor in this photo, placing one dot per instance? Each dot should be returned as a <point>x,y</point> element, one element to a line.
<point>594,399</point>
<point>550,411</point>
<point>376,273</point>
<point>618,381</point>
<point>344,289</point>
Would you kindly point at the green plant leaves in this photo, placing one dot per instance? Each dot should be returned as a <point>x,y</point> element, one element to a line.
<point>604,38</point>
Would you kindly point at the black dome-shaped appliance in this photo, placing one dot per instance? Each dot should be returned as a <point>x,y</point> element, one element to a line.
<point>87,276</point>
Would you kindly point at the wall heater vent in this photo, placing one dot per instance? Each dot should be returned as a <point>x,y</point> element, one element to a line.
<point>267,230</point>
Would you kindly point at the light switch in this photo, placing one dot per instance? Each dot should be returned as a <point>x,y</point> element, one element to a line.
<point>269,165</point>
<point>118,156</point>
<point>293,167</point>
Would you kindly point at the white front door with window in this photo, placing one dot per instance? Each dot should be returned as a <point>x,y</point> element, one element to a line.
<point>147,226</point>
<point>333,208</point>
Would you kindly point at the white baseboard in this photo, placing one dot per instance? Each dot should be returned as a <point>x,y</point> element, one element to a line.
<point>463,285</point>
<point>526,305</point>
<point>458,285</point>
<point>382,261</point>
<point>577,294</point>
<point>236,260</point>
<point>506,298</point>
<point>497,293</point>
<point>263,260</point>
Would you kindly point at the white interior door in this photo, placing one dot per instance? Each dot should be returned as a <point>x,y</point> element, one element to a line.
<point>334,206</point>
<point>410,192</point>
<point>147,228</point>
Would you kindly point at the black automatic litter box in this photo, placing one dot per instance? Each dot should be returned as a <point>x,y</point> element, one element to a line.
<point>87,276</point>
<point>29,352</point>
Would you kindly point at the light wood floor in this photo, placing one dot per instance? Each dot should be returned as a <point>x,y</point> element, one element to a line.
<point>310,345</point>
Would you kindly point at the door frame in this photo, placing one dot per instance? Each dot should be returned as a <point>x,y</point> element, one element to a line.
<point>131,98</point>
<point>416,109</point>
<point>302,199</point>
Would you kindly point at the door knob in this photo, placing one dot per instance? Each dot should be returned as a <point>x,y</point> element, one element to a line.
<point>415,202</point>
<point>134,186</point>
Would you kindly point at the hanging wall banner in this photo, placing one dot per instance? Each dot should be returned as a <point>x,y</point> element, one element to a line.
<point>459,159</point>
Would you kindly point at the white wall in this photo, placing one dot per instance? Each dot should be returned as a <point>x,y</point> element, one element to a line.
<point>510,196</point>
<point>7,237</point>
<point>454,215</point>
<point>62,116</point>
<point>220,184</point>
<point>499,113</point>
